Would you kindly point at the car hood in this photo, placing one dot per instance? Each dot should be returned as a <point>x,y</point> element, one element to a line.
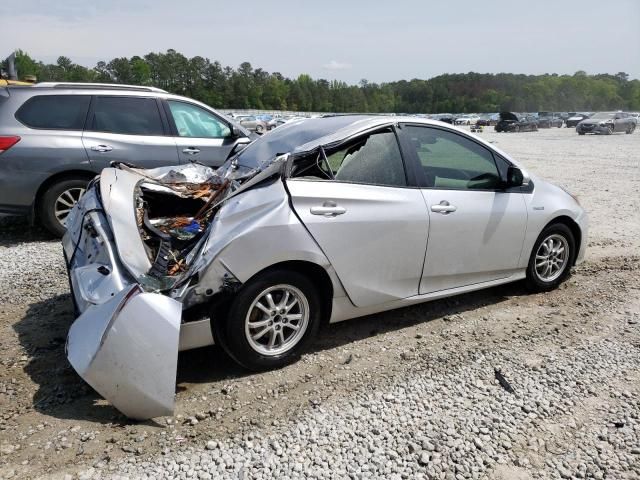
<point>509,116</point>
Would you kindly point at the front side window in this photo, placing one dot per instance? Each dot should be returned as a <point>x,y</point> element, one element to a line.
<point>126,115</point>
<point>196,122</point>
<point>451,161</point>
<point>374,159</point>
<point>57,112</point>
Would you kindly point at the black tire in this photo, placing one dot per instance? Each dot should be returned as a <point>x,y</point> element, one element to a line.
<point>259,129</point>
<point>47,204</point>
<point>630,129</point>
<point>230,331</point>
<point>517,129</point>
<point>580,133</point>
<point>533,281</point>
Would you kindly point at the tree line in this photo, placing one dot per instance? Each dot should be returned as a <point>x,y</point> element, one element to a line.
<point>247,87</point>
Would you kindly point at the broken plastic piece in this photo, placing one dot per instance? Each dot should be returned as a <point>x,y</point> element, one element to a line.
<point>127,350</point>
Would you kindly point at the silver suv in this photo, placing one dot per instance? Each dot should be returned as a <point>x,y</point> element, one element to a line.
<point>55,137</point>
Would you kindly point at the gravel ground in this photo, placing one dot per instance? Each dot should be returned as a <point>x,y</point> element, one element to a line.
<point>408,394</point>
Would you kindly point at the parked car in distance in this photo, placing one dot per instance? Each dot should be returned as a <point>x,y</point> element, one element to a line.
<point>323,220</point>
<point>575,119</point>
<point>548,120</point>
<point>251,122</point>
<point>488,119</point>
<point>607,123</point>
<point>55,137</point>
<point>445,117</point>
<point>514,122</point>
<point>467,120</point>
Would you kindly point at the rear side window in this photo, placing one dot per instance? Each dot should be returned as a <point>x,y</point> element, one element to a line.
<point>126,115</point>
<point>374,160</point>
<point>57,112</point>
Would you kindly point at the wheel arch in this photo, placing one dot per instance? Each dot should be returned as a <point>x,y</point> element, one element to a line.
<point>575,230</point>
<point>316,273</point>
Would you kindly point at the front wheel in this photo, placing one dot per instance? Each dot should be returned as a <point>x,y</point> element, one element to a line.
<point>270,320</point>
<point>551,258</point>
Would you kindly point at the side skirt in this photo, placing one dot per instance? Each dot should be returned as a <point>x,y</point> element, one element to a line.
<point>343,309</point>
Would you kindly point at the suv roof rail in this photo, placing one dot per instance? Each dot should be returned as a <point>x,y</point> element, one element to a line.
<point>106,86</point>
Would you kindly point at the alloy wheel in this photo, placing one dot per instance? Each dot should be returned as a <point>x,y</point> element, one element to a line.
<point>65,202</point>
<point>552,257</point>
<point>277,320</point>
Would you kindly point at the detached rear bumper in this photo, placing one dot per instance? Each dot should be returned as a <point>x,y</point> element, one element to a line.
<point>127,350</point>
<point>125,341</point>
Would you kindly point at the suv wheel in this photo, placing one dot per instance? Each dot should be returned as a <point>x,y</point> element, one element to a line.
<point>57,201</point>
<point>551,258</point>
<point>270,320</point>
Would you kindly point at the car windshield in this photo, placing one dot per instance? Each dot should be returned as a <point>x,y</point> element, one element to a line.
<point>603,116</point>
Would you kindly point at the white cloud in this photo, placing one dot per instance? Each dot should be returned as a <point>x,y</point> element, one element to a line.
<point>335,65</point>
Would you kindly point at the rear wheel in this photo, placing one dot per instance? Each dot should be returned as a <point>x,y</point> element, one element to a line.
<point>551,258</point>
<point>57,201</point>
<point>270,320</point>
<point>630,129</point>
<point>259,129</point>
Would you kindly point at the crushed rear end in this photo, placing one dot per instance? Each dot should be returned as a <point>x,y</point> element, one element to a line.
<point>133,246</point>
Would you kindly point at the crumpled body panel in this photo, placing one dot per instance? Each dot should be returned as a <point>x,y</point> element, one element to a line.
<point>127,350</point>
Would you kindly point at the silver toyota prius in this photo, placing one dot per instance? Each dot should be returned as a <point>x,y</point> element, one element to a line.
<point>322,219</point>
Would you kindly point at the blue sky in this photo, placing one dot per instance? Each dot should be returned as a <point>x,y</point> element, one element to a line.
<point>345,40</point>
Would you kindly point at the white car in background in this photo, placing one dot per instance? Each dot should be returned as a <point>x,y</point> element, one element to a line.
<point>467,120</point>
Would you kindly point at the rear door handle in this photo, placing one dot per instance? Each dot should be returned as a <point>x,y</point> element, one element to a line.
<point>328,209</point>
<point>443,207</point>
<point>102,148</point>
<point>191,150</point>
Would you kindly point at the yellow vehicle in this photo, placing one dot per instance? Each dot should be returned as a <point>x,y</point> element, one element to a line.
<point>5,83</point>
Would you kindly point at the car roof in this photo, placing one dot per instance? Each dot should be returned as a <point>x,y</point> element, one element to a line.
<point>305,135</point>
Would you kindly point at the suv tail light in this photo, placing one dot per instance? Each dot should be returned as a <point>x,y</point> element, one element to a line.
<point>7,142</point>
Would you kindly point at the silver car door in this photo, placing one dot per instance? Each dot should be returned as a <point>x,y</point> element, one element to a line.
<point>477,229</point>
<point>127,129</point>
<point>370,225</point>
<point>200,134</point>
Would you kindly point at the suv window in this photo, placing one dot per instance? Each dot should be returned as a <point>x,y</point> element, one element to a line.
<point>452,161</point>
<point>374,159</point>
<point>58,112</point>
<point>126,115</point>
<point>193,121</point>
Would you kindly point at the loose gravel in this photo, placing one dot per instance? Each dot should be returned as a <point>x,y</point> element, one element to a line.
<point>405,394</point>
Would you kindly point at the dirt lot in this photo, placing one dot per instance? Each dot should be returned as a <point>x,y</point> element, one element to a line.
<point>405,394</point>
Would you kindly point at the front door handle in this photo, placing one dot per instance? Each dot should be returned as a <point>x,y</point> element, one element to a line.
<point>443,207</point>
<point>328,209</point>
<point>102,148</point>
<point>191,150</point>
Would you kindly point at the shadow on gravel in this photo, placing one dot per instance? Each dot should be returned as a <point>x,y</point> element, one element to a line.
<point>63,394</point>
<point>211,364</point>
<point>16,230</point>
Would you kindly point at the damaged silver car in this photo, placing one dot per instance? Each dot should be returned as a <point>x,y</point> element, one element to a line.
<point>322,220</point>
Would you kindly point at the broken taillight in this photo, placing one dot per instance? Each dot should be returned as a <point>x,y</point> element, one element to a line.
<point>6,142</point>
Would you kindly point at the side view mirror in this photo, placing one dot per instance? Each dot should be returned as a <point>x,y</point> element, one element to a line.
<point>235,132</point>
<point>515,177</point>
